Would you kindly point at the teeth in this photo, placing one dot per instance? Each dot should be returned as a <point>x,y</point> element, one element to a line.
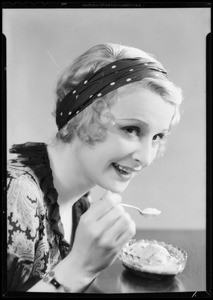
<point>121,168</point>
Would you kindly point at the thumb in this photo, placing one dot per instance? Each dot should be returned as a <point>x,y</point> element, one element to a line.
<point>110,195</point>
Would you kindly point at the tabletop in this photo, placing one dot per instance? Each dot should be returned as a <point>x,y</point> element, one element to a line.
<point>117,279</point>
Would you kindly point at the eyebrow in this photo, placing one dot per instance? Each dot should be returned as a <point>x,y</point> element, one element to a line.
<point>143,123</point>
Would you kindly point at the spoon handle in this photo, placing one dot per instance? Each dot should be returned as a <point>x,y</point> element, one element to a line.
<point>132,206</point>
<point>146,212</point>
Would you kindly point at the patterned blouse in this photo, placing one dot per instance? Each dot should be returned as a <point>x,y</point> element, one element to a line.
<point>35,233</point>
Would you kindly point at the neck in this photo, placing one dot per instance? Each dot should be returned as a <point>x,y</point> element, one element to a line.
<point>68,177</point>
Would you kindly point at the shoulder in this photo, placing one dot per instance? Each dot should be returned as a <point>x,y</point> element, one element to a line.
<point>17,170</point>
<point>24,196</point>
<point>22,178</point>
<point>25,209</point>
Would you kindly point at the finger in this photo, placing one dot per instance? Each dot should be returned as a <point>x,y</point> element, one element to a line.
<point>102,206</point>
<point>107,221</point>
<point>126,235</point>
<point>119,227</point>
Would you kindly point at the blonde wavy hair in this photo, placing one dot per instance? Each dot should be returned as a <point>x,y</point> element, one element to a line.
<point>90,125</point>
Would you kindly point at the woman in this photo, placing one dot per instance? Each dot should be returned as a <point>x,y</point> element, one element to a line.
<point>115,106</point>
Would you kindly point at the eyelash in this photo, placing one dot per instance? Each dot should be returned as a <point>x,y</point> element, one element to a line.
<point>162,136</point>
<point>133,128</point>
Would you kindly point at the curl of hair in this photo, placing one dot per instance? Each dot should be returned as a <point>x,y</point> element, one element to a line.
<point>91,124</point>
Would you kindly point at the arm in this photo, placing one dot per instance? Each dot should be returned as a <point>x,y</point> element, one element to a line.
<point>100,235</point>
<point>22,228</point>
<point>27,250</point>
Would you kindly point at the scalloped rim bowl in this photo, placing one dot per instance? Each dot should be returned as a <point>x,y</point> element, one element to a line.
<point>134,263</point>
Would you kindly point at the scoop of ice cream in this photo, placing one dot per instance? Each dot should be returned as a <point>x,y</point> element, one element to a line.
<point>151,211</point>
<point>154,253</point>
<point>150,252</point>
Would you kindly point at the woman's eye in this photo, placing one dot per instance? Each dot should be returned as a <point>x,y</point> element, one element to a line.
<point>133,130</point>
<point>158,137</point>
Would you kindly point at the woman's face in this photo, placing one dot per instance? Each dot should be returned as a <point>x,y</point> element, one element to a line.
<point>142,119</point>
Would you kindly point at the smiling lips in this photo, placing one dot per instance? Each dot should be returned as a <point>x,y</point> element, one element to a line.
<point>125,172</point>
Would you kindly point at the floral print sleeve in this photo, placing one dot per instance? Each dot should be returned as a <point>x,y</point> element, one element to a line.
<point>25,231</point>
<point>35,233</point>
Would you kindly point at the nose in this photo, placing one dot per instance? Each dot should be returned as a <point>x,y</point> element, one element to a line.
<point>144,153</point>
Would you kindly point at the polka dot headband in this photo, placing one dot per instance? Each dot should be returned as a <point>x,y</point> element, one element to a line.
<point>103,81</point>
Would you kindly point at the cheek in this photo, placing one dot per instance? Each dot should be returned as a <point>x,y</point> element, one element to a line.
<point>96,158</point>
<point>119,149</point>
<point>113,145</point>
<point>102,153</point>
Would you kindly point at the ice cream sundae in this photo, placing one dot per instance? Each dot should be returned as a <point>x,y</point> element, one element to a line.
<point>152,257</point>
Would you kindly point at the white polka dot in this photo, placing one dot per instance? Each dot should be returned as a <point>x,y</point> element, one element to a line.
<point>128,79</point>
<point>91,96</point>
<point>85,82</point>
<point>74,92</point>
<point>131,70</point>
<point>69,113</point>
<point>112,83</point>
<point>114,66</point>
<point>99,95</point>
<point>77,112</point>
<point>76,97</point>
<point>61,113</point>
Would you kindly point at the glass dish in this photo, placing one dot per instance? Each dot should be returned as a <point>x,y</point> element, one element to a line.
<point>153,259</point>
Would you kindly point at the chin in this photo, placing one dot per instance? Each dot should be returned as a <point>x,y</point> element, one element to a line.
<point>115,187</point>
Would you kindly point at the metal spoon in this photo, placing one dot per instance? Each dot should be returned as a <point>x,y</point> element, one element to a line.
<point>145,212</point>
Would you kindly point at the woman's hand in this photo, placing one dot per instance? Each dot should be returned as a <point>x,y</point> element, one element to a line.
<point>102,231</point>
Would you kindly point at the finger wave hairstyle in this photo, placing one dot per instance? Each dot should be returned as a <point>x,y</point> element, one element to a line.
<point>91,124</point>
